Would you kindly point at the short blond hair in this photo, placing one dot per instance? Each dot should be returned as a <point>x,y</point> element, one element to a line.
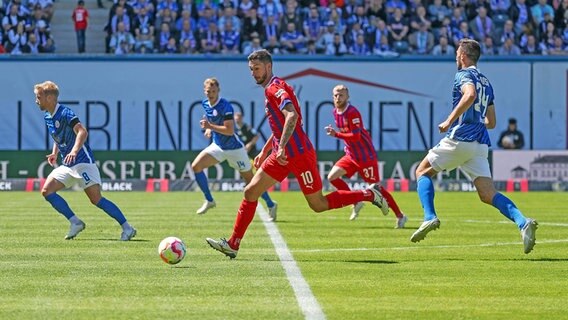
<point>341,87</point>
<point>212,81</point>
<point>47,88</point>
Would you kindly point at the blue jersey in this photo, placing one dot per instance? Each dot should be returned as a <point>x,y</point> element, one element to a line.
<point>470,126</point>
<point>217,115</point>
<point>60,127</point>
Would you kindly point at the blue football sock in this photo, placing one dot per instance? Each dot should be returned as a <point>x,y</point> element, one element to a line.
<point>266,198</point>
<point>508,209</point>
<point>59,204</point>
<point>203,184</point>
<point>425,189</point>
<point>112,210</point>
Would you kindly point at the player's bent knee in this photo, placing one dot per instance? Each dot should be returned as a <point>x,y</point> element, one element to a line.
<point>318,206</point>
<point>45,192</point>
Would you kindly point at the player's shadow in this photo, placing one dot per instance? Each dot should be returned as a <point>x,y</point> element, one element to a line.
<point>543,259</point>
<point>369,261</point>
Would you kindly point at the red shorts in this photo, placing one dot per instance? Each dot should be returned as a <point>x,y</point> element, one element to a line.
<point>304,167</point>
<point>369,171</point>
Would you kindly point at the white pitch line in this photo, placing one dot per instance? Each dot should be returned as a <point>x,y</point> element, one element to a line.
<point>494,244</point>
<point>306,299</point>
<point>554,224</point>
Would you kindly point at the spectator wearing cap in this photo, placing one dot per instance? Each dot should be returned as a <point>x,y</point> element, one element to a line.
<point>511,138</point>
<point>80,17</point>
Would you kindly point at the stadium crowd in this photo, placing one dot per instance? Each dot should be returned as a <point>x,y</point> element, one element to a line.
<point>327,27</point>
<point>25,26</point>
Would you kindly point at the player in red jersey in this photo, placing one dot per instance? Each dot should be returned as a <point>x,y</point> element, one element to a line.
<point>360,155</point>
<point>292,152</point>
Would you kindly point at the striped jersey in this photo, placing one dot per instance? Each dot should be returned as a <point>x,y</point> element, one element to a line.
<point>278,93</point>
<point>60,127</point>
<point>217,114</point>
<point>358,141</point>
<point>470,126</point>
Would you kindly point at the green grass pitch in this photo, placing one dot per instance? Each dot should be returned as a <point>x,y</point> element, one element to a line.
<point>473,267</point>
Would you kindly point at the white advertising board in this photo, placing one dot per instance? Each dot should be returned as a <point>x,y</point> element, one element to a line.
<point>147,105</point>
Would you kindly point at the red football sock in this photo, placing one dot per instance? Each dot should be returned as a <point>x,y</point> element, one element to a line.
<point>342,198</point>
<point>244,218</point>
<point>391,202</point>
<point>339,184</point>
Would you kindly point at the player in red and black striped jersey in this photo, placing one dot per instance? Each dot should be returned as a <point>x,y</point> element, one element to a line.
<point>360,155</point>
<point>291,151</point>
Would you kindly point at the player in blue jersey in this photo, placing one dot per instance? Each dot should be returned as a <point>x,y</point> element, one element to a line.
<point>78,163</point>
<point>466,144</point>
<point>219,123</point>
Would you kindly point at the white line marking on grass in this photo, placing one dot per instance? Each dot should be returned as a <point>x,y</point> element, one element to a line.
<point>306,299</point>
<point>554,224</point>
<point>494,244</point>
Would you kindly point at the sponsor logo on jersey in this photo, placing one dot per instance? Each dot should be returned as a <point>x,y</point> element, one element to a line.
<point>279,93</point>
<point>356,121</point>
<point>57,124</point>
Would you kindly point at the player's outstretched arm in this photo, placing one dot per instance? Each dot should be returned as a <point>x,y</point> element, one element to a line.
<point>466,101</point>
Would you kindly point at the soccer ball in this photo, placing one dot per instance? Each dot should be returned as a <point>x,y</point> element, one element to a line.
<point>171,250</point>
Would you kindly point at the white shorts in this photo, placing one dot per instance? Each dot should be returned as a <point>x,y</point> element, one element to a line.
<point>237,158</point>
<point>84,174</point>
<point>470,156</point>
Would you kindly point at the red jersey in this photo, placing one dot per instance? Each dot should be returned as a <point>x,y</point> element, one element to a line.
<point>80,16</point>
<point>358,142</point>
<point>278,93</point>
